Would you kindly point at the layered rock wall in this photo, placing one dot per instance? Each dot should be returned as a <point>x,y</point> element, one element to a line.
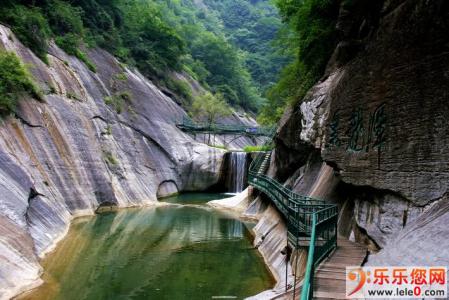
<point>379,119</point>
<point>104,138</point>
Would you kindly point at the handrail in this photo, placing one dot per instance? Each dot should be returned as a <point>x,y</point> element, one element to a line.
<point>188,124</point>
<point>307,286</point>
<point>308,218</point>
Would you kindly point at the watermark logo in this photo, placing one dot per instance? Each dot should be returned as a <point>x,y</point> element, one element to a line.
<point>396,282</point>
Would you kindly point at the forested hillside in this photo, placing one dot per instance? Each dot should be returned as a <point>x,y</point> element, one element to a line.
<point>253,26</point>
<point>286,44</point>
<point>310,35</point>
<point>260,55</point>
<point>225,45</point>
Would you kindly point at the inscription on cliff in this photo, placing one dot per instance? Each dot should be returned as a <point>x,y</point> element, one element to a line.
<point>359,134</point>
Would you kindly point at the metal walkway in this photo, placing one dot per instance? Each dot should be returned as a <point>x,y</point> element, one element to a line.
<point>310,222</point>
<point>190,126</point>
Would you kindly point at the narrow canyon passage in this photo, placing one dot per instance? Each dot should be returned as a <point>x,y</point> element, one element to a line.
<point>320,127</point>
<point>179,251</point>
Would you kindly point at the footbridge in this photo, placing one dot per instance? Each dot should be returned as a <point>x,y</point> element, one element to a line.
<point>189,126</point>
<point>311,223</point>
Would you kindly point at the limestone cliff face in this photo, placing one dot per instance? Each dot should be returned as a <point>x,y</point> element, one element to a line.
<point>73,153</point>
<point>379,119</point>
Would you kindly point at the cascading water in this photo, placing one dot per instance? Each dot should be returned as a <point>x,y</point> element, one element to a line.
<point>237,171</point>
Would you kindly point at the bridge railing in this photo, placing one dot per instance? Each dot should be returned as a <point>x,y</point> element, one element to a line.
<point>323,239</point>
<point>188,124</point>
<point>310,221</point>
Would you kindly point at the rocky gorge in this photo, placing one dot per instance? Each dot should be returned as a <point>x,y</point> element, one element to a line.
<point>73,153</point>
<point>370,136</point>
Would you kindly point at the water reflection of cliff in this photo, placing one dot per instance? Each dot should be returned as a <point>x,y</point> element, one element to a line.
<point>173,252</point>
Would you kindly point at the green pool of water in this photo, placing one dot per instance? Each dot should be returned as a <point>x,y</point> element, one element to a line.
<point>172,252</point>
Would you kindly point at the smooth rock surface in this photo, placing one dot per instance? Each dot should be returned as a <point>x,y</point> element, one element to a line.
<point>72,153</point>
<point>421,243</point>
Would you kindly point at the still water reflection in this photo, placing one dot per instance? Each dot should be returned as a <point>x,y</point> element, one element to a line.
<point>172,252</point>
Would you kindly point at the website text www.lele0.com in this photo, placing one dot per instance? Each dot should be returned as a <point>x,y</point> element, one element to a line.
<point>396,282</point>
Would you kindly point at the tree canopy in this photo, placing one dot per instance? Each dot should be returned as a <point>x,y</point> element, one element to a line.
<point>223,44</point>
<point>209,107</point>
<point>256,56</point>
<point>311,36</point>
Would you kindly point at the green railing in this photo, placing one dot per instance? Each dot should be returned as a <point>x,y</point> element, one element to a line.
<point>310,221</point>
<point>188,125</point>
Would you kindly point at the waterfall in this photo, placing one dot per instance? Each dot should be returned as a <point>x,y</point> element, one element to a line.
<point>237,171</point>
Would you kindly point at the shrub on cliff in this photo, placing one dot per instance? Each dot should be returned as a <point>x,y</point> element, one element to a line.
<point>258,148</point>
<point>14,82</point>
<point>209,108</point>
<point>118,100</point>
<point>30,27</point>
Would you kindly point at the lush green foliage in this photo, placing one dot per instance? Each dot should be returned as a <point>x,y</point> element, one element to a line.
<point>208,107</point>
<point>151,42</point>
<point>29,25</point>
<point>226,45</point>
<point>14,81</point>
<point>211,58</point>
<point>314,39</point>
<point>64,18</point>
<point>253,26</point>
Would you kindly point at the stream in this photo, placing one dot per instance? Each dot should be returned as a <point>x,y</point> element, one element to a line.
<point>185,250</point>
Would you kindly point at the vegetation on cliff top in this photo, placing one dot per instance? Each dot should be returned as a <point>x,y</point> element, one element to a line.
<point>161,36</point>
<point>15,80</point>
<point>253,27</point>
<point>227,45</point>
<point>311,37</point>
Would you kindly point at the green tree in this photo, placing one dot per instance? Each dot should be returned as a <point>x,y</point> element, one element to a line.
<point>224,44</point>
<point>64,18</point>
<point>208,108</point>
<point>155,46</point>
<point>252,26</point>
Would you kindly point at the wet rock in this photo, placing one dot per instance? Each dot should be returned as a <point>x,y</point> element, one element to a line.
<point>19,262</point>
